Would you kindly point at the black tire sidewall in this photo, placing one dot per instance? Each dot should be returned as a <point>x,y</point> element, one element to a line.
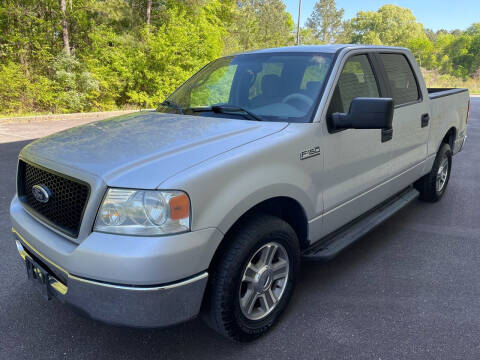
<point>225,302</point>
<point>444,151</point>
<point>252,326</point>
<point>427,184</point>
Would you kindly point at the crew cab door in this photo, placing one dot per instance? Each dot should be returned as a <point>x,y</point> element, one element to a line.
<point>357,163</point>
<point>411,119</point>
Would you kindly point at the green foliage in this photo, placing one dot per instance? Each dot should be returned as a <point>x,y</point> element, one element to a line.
<point>390,25</point>
<point>325,21</point>
<point>196,43</point>
<point>78,87</point>
<point>259,24</point>
<point>307,37</point>
<point>116,60</point>
<point>434,79</point>
<point>20,94</point>
<point>454,53</point>
<point>13,86</point>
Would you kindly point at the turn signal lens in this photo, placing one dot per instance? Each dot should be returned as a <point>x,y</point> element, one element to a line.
<point>179,207</point>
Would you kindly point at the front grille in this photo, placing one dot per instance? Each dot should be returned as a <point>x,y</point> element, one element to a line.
<point>67,197</point>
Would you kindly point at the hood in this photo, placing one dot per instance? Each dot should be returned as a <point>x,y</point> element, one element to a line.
<point>143,149</point>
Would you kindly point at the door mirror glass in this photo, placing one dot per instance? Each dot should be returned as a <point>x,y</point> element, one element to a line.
<point>365,113</point>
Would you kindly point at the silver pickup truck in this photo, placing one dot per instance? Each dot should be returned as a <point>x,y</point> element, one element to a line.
<point>208,204</point>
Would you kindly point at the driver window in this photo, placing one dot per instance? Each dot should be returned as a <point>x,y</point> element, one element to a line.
<point>356,80</point>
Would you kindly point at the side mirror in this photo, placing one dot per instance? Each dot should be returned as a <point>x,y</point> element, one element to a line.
<point>366,113</point>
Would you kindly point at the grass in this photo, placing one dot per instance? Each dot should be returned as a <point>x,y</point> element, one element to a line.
<point>46,113</point>
<point>434,79</point>
<point>13,115</point>
<point>55,115</point>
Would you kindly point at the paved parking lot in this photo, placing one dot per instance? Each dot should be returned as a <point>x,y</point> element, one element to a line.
<point>409,290</point>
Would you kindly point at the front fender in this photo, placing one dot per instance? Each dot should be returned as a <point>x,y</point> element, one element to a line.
<point>234,210</point>
<point>226,187</point>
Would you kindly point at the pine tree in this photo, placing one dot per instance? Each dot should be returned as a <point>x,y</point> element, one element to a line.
<point>325,21</point>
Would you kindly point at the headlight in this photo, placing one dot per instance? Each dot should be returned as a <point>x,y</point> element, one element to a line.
<point>143,212</point>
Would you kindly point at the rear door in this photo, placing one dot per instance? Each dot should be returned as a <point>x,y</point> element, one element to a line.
<point>411,120</point>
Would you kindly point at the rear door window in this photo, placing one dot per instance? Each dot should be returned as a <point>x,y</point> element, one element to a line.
<point>401,78</point>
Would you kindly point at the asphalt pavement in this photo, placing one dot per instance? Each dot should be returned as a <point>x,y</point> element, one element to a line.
<point>409,290</point>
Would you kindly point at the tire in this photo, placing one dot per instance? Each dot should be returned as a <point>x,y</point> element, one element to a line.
<point>428,186</point>
<point>230,289</point>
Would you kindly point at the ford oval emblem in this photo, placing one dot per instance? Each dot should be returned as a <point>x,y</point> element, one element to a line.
<point>41,193</point>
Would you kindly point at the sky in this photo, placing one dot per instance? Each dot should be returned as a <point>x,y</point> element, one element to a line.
<point>433,14</point>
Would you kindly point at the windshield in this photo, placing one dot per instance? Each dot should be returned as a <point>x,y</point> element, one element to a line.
<point>269,86</point>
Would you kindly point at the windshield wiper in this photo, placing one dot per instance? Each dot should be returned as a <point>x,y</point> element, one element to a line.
<point>228,109</point>
<point>172,105</point>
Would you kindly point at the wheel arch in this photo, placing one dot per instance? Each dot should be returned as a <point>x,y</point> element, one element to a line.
<point>449,138</point>
<point>286,208</point>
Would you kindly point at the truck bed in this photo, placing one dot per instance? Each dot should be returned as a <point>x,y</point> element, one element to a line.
<point>448,110</point>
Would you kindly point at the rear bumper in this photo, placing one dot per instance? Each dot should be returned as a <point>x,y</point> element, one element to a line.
<point>137,306</point>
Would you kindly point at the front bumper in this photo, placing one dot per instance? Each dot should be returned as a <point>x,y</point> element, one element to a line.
<point>121,259</point>
<point>138,306</point>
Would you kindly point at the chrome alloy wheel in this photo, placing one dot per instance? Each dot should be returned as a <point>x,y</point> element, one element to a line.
<point>442,175</point>
<point>264,281</point>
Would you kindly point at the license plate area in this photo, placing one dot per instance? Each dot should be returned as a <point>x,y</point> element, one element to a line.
<point>39,277</point>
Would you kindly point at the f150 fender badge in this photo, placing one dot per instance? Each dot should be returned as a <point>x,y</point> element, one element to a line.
<point>310,153</point>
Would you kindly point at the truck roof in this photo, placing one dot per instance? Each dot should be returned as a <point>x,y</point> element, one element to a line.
<point>331,48</point>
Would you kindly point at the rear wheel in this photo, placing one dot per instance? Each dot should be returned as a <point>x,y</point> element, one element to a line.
<point>433,185</point>
<point>253,281</point>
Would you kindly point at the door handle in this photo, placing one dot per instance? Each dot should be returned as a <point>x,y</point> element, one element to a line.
<point>425,120</point>
<point>387,135</point>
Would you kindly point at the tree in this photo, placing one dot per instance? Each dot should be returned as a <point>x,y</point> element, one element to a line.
<point>390,25</point>
<point>275,24</point>
<point>325,21</point>
<point>422,49</point>
<point>93,55</point>
<point>149,11</point>
<point>260,23</point>
<point>307,37</point>
<point>66,42</point>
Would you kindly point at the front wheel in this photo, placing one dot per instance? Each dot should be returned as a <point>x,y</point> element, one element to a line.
<point>253,281</point>
<point>433,185</point>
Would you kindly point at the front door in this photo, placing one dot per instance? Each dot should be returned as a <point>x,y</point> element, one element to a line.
<point>356,161</point>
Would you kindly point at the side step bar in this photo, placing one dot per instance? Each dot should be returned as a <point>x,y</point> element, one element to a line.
<point>330,246</point>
